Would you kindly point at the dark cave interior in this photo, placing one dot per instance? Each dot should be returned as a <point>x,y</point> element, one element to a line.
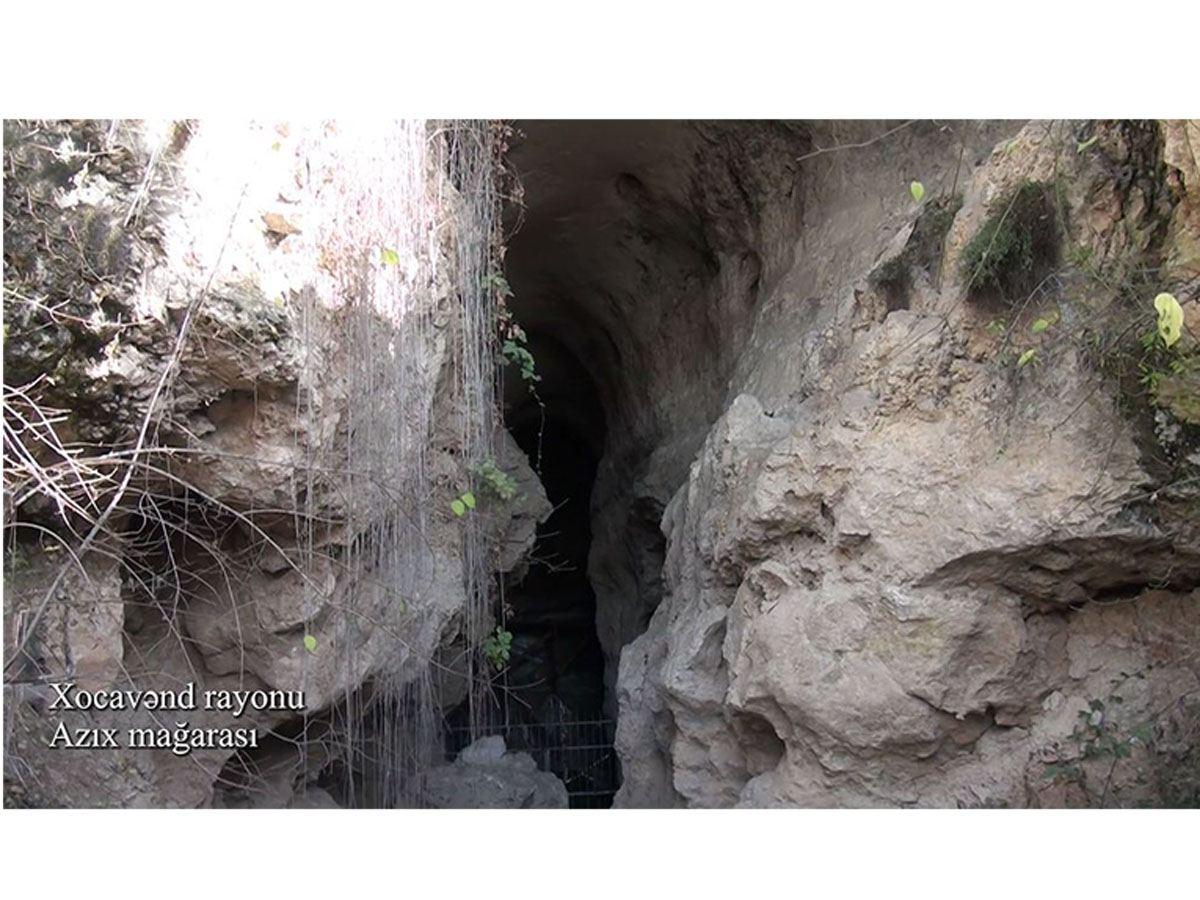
<point>557,657</point>
<point>634,267</point>
<point>554,685</point>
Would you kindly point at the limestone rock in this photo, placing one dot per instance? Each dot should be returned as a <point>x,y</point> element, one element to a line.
<point>888,588</point>
<point>246,525</point>
<point>488,776</point>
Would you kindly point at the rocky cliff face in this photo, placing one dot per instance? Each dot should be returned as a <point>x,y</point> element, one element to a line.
<point>280,307</point>
<point>913,563</point>
<point>896,502</point>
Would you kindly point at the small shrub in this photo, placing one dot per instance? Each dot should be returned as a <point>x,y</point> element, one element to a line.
<point>1016,246</point>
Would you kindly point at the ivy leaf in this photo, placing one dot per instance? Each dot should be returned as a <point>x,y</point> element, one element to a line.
<point>310,643</point>
<point>1026,357</point>
<point>389,257</point>
<point>1040,325</point>
<point>468,500</point>
<point>1170,318</point>
<point>459,508</point>
<point>917,190</point>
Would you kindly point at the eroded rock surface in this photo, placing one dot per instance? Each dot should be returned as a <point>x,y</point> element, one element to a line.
<point>861,535</point>
<point>487,775</point>
<point>900,573</point>
<point>311,419</point>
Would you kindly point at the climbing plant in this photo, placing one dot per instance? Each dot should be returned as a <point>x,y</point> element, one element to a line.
<point>463,503</point>
<point>498,647</point>
<point>1170,318</point>
<point>517,354</point>
<point>495,480</point>
<point>490,478</point>
<point>514,348</point>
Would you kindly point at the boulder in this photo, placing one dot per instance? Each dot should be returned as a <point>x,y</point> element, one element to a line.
<point>488,776</point>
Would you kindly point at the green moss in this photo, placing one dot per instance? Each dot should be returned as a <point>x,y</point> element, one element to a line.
<point>892,278</point>
<point>925,245</point>
<point>1017,245</point>
<point>923,249</point>
<point>1178,389</point>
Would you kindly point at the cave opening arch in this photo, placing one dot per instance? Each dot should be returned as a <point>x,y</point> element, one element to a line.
<point>636,263</point>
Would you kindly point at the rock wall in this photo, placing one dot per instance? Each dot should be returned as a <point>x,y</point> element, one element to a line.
<point>865,532</point>
<point>313,415</point>
<point>911,564</point>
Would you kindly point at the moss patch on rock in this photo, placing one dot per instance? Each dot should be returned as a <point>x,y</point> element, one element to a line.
<point>923,249</point>
<point>1017,245</point>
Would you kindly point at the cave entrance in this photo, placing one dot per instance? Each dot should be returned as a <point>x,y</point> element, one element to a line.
<point>635,269</point>
<point>554,692</point>
<point>557,666</point>
<point>551,695</point>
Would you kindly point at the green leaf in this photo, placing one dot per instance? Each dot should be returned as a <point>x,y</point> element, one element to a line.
<point>1170,318</point>
<point>1026,357</point>
<point>468,500</point>
<point>389,257</point>
<point>917,190</point>
<point>497,646</point>
<point>458,507</point>
<point>499,282</point>
<point>1040,325</point>
<point>310,643</point>
<point>1081,147</point>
